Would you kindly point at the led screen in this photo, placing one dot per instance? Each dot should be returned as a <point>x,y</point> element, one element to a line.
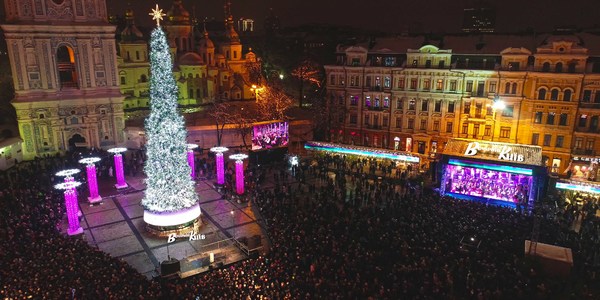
<point>270,135</point>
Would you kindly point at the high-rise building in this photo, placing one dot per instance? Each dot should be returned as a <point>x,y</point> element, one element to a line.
<point>64,67</point>
<point>479,19</point>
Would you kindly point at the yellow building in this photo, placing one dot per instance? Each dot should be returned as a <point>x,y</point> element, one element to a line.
<point>413,94</point>
<point>204,72</point>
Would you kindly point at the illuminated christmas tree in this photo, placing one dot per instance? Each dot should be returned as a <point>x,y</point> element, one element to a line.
<point>169,188</point>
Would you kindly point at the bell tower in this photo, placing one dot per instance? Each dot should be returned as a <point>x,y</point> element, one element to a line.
<point>64,68</point>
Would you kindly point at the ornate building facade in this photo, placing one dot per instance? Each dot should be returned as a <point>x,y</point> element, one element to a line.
<point>205,70</point>
<point>413,94</point>
<point>64,66</point>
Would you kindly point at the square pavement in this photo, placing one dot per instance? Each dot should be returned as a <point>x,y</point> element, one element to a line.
<point>116,226</point>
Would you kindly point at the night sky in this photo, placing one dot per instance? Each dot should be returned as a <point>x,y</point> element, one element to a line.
<point>390,15</point>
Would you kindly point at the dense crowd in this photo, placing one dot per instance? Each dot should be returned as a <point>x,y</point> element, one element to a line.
<point>336,232</point>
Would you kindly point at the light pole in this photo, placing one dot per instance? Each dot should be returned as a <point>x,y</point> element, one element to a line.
<point>220,165</point>
<point>90,169</point>
<point>190,158</point>
<point>118,159</point>
<point>497,105</point>
<point>233,223</point>
<point>256,89</point>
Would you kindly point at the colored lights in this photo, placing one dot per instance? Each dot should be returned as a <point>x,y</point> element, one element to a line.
<point>119,173</point>
<point>220,164</point>
<point>190,158</point>
<point>71,204</point>
<point>578,187</point>
<point>500,168</point>
<point>90,169</point>
<point>363,151</point>
<point>239,172</point>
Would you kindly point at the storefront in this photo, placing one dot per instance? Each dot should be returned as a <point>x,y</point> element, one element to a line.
<point>578,192</point>
<point>499,173</point>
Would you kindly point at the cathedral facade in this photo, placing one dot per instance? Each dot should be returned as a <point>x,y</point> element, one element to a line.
<point>63,59</point>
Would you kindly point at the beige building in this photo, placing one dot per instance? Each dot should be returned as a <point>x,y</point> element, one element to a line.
<point>413,94</point>
<point>64,67</point>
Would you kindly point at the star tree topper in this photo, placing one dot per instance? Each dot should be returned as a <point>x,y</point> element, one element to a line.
<point>157,15</point>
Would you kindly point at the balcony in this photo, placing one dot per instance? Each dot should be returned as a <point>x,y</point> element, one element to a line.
<point>375,88</point>
<point>376,108</point>
<point>589,105</point>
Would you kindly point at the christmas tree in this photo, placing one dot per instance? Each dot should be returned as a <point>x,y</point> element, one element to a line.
<point>169,187</point>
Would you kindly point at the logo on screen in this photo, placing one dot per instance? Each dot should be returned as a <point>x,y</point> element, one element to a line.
<point>503,151</point>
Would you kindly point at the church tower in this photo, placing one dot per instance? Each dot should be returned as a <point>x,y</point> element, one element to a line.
<point>64,68</point>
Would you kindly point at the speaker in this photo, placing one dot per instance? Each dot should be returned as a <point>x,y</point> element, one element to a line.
<point>169,267</point>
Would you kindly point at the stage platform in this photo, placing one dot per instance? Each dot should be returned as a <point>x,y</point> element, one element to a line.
<point>116,226</point>
<point>556,260</point>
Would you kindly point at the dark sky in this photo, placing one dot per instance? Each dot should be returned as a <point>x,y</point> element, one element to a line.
<point>389,15</point>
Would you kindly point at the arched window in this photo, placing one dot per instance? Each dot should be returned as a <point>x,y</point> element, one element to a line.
<point>546,67</point>
<point>67,71</point>
<point>542,94</point>
<point>594,123</point>
<point>507,88</point>
<point>558,68</point>
<point>514,88</point>
<point>554,94</point>
<point>567,95</point>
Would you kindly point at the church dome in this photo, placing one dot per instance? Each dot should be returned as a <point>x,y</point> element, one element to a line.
<point>178,15</point>
<point>205,42</point>
<point>131,33</point>
<point>190,59</point>
<point>232,36</point>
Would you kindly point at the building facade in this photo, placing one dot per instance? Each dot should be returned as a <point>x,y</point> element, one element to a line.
<point>64,69</point>
<point>205,71</point>
<point>411,94</point>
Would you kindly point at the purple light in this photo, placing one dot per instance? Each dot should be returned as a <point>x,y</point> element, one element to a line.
<point>239,177</point>
<point>71,180</point>
<point>190,157</point>
<point>119,171</point>
<point>90,169</point>
<point>71,204</point>
<point>220,168</point>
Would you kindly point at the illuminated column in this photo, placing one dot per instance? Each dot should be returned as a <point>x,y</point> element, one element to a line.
<point>220,164</point>
<point>68,175</point>
<point>119,167</point>
<point>190,157</point>
<point>239,172</point>
<point>71,204</point>
<point>90,169</point>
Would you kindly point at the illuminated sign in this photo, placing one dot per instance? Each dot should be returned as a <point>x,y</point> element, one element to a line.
<point>363,151</point>
<point>504,152</point>
<point>578,187</point>
<point>501,168</point>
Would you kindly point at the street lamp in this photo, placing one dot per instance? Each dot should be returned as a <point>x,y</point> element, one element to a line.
<point>281,76</point>
<point>233,223</point>
<point>90,169</point>
<point>257,89</point>
<point>497,105</point>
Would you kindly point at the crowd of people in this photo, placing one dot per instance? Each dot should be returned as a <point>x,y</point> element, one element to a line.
<point>336,232</point>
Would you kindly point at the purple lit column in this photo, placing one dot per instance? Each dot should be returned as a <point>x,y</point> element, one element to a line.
<point>239,172</point>
<point>69,180</point>
<point>190,157</point>
<point>90,169</point>
<point>220,164</point>
<point>71,204</point>
<point>119,173</point>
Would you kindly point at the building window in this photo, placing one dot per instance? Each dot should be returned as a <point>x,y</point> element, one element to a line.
<point>377,81</point>
<point>559,141</point>
<point>191,94</point>
<point>547,139</point>
<point>341,118</point>
<point>436,125</point>
<point>538,117</point>
<point>368,81</point>
<point>428,63</point>
<point>353,119</point>
<point>332,79</point>
<point>559,67</point>
<point>563,119</point>
<point>582,121</point>
<point>354,100</point>
<point>398,122</point>
<point>401,83</point>
<point>387,82</point>
<point>475,130</point>
<point>550,119</point>
<point>415,63</point>
<point>399,103</point>
<point>366,119</point>
<point>450,107</point>
<point>508,111</point>
<point>439,85</point>
<point>465,128</point>
<point>535,139</point>
<point>469,87</point>
<point>507,88</point>
<point>453,85</point>
<point>513,89</point>
<point>377,102</point>
<point>587,96</point>
<point>368,101</point>
<point>567,95</point>
<point>594,123</point>
<point>411,124</point>
<point>597,97</point>
<point>554,94</point>
<point>352,81</point>
<point>385,121</point>
<point>423,124</point>
<point>467,108</point>
<point>504,132</point>
<point>492,87</point>
<point>438,106</point>
<point>413,83</point>
<point>441,64</point>
<point>589,145</point>
<point>341,100</point>
<point>578,143</point>
<point>424,105</point>
<point>426,84</point>
<point>123,80</point>
<point>546,67</point>
<point>488,130</point>
<point>386,102</point>
<point>411,104</point>
<point>449,127</point>
<point>542,94</point>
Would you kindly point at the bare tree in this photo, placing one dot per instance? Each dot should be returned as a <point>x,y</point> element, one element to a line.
<point>220,114</point>
<point>242,122</point>
<point>273,104</point>
<point>253,74</point>
<point>307,71</point>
